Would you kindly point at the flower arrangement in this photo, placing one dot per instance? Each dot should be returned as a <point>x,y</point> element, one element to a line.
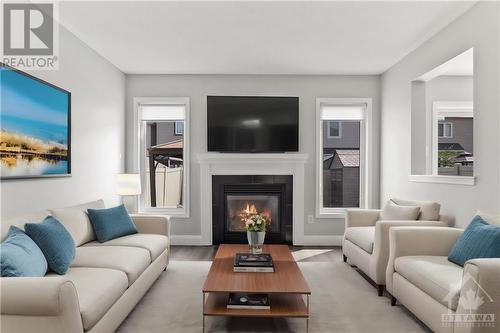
<point>253,220</point>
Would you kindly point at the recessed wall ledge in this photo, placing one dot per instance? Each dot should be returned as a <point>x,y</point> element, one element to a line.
<point>437,179</point>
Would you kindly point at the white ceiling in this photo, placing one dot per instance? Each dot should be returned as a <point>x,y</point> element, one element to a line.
<point>256,37</point>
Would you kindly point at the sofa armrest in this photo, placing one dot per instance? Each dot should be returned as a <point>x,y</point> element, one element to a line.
<point>380,254</point>
<point>361,217</point>
<point>414,241</point>
<point>152,224</point>
<point>480,283</point>
<point>35,304</point>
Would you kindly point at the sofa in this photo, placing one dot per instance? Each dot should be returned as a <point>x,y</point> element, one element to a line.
<point>448,298</point>
<point>102,286</point>
<point>366,237</point>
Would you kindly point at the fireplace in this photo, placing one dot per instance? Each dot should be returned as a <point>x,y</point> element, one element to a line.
<point>235,196</point>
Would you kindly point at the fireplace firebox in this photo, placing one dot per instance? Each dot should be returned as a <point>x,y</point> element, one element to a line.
<point>235,196</point>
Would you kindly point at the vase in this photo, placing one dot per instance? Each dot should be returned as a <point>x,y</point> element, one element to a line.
<point>256,241</point>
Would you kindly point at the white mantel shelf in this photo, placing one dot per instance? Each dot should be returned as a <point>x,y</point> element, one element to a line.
<point>253,164</point>
<point>212,158</point>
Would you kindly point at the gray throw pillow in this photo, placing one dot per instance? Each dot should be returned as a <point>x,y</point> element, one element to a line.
<point>393,212</point>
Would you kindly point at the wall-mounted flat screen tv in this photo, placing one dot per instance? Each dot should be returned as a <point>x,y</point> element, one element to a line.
<point>35,118</point>
<point>253,124</point>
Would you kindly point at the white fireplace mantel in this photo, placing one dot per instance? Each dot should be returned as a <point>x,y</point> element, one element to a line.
<point>252,164</point>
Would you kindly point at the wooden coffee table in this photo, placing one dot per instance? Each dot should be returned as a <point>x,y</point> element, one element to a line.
<point>288,290</point>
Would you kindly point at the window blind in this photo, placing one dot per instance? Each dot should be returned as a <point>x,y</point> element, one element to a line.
<point>162,112</point>
<point>342,112</point>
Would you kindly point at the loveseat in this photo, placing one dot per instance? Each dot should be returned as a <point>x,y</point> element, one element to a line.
<point>104,283</point>
<point>366,238</point>
<point>447,297</point>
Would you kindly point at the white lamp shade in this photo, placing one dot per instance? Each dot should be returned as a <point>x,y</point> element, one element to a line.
<point>128,184</point>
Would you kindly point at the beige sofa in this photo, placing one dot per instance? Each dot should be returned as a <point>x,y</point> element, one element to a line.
<point>366,239</point>
<point>102,286</point>
<point>448,298</point>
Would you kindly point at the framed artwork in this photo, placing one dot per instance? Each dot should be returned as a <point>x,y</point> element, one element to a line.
<point>35,120</point>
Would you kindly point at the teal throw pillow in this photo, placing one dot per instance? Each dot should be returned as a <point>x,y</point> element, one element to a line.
<point>111,223</point>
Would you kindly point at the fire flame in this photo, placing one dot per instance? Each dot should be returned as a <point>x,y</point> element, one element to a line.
<point>250,210</point>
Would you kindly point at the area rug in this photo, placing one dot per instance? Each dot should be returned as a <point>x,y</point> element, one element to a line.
<point>342,301</point>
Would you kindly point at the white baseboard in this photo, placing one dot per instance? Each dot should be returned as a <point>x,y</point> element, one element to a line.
<point>320,240</point>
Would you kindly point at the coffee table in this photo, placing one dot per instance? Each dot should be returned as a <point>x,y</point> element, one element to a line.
<point>288,290</point>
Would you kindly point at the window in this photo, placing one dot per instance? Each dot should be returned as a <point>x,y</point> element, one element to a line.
<point>334,129</point>
<point>164,155</point>
<point>341,139</point>
<point>445,130</point>
<point>179,128</point>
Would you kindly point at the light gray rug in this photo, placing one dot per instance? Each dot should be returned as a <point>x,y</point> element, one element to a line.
<point>342,301</point>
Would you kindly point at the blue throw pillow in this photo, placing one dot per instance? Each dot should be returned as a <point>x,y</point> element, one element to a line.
<point>111,223</point>
<point>56,243</point>
<point>479,240</point>
<point>20,256</point>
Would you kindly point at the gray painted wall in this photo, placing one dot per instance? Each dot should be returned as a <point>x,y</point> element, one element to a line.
<point>349,136</point>
<point>308,88</point>
<point>97,134</point>
<point>478,28</point>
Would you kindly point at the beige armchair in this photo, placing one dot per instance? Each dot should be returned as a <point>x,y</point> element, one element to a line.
<point>445,296</point>
<point>366,241</point>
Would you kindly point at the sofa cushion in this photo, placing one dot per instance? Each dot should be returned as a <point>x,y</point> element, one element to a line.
<point>395,212</point>
<point>98,289</point>
<point>21,220</point>
<point>362,237</point>
<point>54,240</point>
<point>435,275</point>
<point>479,240</point>
<point>131,260</point>
<point>76,221</point>
<point>155,244</point>
<point>429,210</point>
<point>20,256</point>
<point>111,223</point>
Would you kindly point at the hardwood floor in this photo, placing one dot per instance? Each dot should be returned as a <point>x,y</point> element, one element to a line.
<point>302,253</point>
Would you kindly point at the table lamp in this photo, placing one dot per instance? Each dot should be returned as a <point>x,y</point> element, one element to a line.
<point>127,185</point>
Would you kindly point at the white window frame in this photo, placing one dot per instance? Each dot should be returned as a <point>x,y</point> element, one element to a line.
<point>441,110</point>
<point>444,136</point>
<point>175,128</point>
<point>340,129</point>
<point>139,161</point>
<point>366,149</point>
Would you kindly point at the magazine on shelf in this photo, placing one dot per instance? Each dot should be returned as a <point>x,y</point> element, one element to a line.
<point>248,301</point>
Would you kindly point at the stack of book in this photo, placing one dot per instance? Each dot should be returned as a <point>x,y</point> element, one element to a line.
<point>248,301</point>
<point>259,263</point>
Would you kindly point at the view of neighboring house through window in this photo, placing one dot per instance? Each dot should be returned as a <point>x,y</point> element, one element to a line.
<point>454,154</point>
<point>163,156</point>
<point>341,155</point>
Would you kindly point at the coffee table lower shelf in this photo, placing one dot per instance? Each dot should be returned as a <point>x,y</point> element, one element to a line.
<point>282,306</point>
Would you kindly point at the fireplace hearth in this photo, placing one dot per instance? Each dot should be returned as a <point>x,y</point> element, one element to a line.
<point>235,196</point>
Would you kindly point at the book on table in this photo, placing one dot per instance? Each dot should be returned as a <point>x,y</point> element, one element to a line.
<point>248,301</point>
<point>246,262</point>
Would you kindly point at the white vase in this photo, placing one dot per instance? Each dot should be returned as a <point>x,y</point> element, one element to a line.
<point>256,241</point>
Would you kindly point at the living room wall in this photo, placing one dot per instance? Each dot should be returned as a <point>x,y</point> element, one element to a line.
<point>97,139</point>
<point>478,28</point>
<point>308,88</point>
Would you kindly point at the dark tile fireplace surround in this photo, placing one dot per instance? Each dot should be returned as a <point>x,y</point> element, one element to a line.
<point>267,194</point>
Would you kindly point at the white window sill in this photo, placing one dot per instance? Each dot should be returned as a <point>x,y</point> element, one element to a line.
<point>335,213</point>
<point>453,180</point>
<point>177,213</point>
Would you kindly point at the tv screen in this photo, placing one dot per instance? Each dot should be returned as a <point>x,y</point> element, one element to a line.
<point>253,124</point>
<point>35,121</point>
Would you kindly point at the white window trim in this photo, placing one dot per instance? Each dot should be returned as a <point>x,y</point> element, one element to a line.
<point>175,129</point>
<point>366,151</point>
<point>139,144</point>
<point>340,130</point>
